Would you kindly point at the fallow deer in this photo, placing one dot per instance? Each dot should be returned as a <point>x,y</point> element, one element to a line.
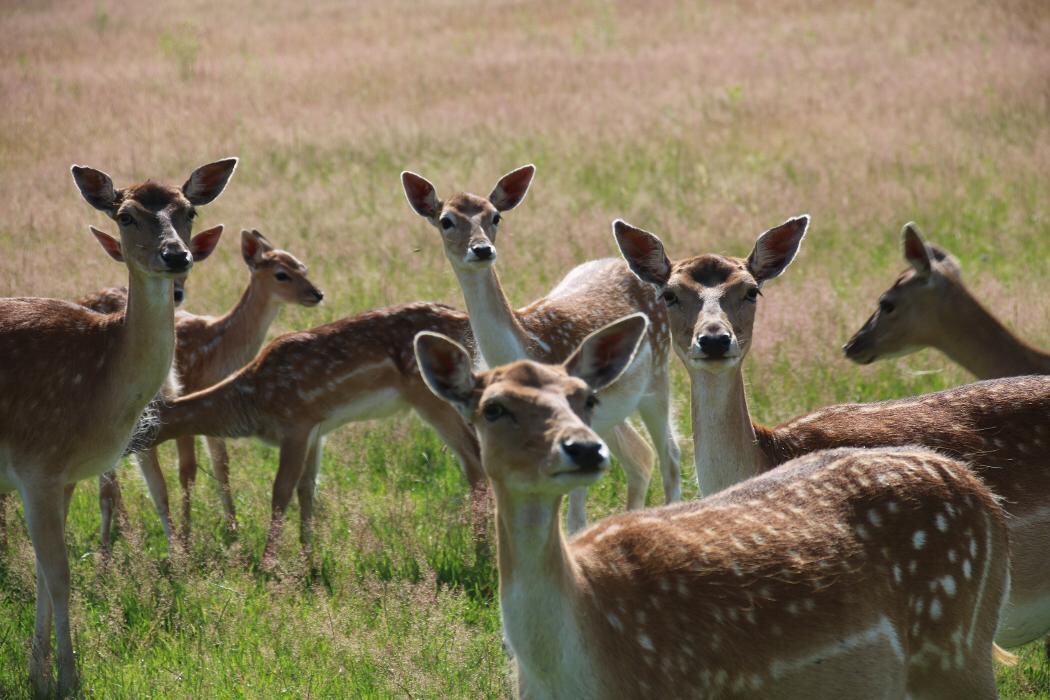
<point>303,385</point>
<point>548,329</point>
<point>76,382</point>
<point>846,573</point>
<point>1001,428</point>
<point>208,349</point>
<point>929,306</point>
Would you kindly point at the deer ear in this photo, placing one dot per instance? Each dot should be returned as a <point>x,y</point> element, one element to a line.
<point>202,245</point>
<point>512,188</point>
<point>605,354</point>
<point>916,252</point>
<point>253,245</point>
<point>208,181</point>
<point>422,196</point>
<point>776,248</point>
<point>96,187</point>
<point>109,244</point>
<point>447,370</point>
<point>643,252</point>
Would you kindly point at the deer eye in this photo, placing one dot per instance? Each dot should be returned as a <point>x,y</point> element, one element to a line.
<point>447,222</point>
<point>591,402</point>
<point>669,297</point>
<point>886,306</point>
<point>125,219</point>
<point>493,411</point>
<point>752,294</point>
<point>192,215</point>
<point>496,218</point>
<point>282,276</point>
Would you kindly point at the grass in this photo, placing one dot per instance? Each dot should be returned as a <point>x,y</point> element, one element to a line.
<point>703,122</point>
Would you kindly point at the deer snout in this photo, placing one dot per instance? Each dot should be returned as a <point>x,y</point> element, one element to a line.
<point>585,454</point>
<point>179,292</point>
<point>482,251</point>
<point>176,258</point>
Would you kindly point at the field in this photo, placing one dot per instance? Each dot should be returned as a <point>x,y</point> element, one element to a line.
<point>704,122</point>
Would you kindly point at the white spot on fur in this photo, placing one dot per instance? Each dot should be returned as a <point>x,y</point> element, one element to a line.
<point>918,540</point>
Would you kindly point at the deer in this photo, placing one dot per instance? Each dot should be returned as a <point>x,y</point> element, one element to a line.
<point>829,576</point>
<point>76,382</point>
<point>303,385</point>
<point>929,306</point>
<point>208,349</point>
<point>1000,428</point>
<point>547,330</point>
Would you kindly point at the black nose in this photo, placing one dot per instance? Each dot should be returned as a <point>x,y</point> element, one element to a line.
<point>318,295</point>
<point>584,453</point>
<point>715,345</point>
<point>179,295</point>
<point>482,251</point>
<point>176,258</point>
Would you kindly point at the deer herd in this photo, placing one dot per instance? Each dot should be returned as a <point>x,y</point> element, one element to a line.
<point>887,549</point>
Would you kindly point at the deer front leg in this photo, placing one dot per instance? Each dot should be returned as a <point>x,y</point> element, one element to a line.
<point>109,503</point>
<point>306,489</point>
<point>186,448</point>
<point>290,471</point>
<point>149,465</point>
<point>655,409</point>
<point>220,462</point>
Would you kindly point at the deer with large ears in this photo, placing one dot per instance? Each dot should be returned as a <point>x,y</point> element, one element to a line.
<point>548,329</point>
<point>1001,428</point>
<point>828,577</point>
<point>929,306</point>
<point>207,350</point>
<point>76,382</point>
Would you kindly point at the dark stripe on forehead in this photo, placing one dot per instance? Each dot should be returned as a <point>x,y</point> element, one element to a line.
<point>712,270</point>
<point>154,196</point>
<point>466,204</point>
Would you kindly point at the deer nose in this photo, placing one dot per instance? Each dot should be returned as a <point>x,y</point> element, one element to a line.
<point>483,251</point>
<point>177,259</point>
<point>587,454</point>
<point>179,294</point>
<point>715,345</point>
<point>318,295</point>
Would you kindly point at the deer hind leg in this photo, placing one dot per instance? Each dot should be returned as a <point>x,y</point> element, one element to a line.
<point>109,505</point>
<point>45,508</point>
<point>655,409</point>
<point>149,465</point>
<point>220,461</point>
<point>186,447</point>
<point>306,489</point>
<point>292,461</point>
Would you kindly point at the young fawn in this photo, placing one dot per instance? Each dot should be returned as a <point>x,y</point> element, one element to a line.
<point>1001,428</point>
<point>304,385</point>
<point>929,306</point>
<point>207,350</point>
<point>76,382</point>
<point>548,329</point>
<point>845,574</point>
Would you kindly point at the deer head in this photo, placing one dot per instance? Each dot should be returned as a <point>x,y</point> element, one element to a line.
<point>278,272</point>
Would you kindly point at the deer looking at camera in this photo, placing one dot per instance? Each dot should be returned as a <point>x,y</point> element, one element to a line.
<point>830,576</point>
<point>1001,428</point>
<point>548,329</point>
<point>929,306</point>
<point>306,384</point>
<point>76,382</point>
<point>207,350</point>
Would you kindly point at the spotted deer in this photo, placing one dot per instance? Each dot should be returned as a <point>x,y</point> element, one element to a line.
<point>208,349</point>
<point>1001,428</point>
<point>848,573</point>
<point>548,329</point>
<point>306,384</point>
<point>75,382</point>
<point>929,306</point>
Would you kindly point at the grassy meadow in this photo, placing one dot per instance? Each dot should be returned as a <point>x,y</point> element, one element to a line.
<point>704,122</point>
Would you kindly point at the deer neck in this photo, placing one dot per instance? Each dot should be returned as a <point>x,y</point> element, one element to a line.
<point>146,343</point>
<point>497,330</point>
<point>227,409</point>
<point>724,443</point>
<point>243,330</point>
<point>977,340</point>
<point>538,587</point>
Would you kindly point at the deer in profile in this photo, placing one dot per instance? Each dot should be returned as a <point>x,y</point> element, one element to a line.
<point>1001,428</point>
<point>304,385</point>
<point>929,306</point>
<point>830,576</point>
<point>76,382</point>
<point>208,349</point>
<point>548,329</point>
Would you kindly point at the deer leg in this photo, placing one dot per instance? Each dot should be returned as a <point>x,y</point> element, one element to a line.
<point>655,409</point>
<point>149,465</point>
<point>186,448</point>
<point>292,461</point>
<point>305,491</point>
<point>220,462</point>
<point>108,504</point>
<point>5,499</point>
<point>636,457</point>
<point>45,509</point>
